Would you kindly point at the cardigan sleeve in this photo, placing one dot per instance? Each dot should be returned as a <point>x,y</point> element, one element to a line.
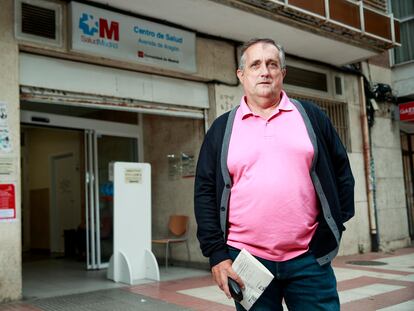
<point>206,194</point>
<point>342,169</point>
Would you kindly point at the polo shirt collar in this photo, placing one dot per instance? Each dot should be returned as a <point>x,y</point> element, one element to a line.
<point>284,105</point>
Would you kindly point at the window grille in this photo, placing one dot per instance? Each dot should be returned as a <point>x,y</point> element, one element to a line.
<point>337,113</point>
<point>39,21</point>
<point>376,4</point>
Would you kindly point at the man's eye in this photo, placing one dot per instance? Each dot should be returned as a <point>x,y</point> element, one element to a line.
<point>273,65</point>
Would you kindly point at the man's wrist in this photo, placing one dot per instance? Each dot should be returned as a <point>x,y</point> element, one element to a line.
<point>219,256</point>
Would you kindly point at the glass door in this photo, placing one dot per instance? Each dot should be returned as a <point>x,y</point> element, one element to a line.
<point>102,150</point>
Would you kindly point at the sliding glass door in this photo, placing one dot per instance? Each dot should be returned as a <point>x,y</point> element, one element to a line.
<point>102,150</point>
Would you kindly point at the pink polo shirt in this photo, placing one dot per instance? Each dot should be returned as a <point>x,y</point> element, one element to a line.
<point>273,205</point>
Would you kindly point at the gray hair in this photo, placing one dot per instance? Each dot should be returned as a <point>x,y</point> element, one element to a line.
<point>246,45</point>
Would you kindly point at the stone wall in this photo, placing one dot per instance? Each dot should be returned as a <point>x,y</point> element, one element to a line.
<point>390,190</point>
<point>356,238</point>
<point>172,190</point>
<point>10,233</point>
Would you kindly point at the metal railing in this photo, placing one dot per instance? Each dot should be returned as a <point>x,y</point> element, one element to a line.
<point>367,16</point>
<point>337,113</point>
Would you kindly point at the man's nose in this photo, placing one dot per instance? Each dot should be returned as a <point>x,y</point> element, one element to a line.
<point>264,70</point>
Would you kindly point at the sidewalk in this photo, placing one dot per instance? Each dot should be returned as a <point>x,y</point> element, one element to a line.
<point>372,281</point>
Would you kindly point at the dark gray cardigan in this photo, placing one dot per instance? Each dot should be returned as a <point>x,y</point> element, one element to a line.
<point>330,173</point>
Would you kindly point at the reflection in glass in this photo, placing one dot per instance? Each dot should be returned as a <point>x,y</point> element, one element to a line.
<point>110,149</point>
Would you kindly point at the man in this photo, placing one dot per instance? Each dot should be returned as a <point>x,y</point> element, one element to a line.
<point>274,178</point>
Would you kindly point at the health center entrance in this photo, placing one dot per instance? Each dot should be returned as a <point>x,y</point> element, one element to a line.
<point>67,174</point>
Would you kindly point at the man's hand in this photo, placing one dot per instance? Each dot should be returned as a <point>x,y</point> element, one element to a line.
<point>220,273</point>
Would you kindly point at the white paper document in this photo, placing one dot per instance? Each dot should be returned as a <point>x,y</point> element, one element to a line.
<point>255,276</point>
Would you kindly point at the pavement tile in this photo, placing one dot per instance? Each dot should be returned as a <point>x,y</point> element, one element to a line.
<point>388,287</point>
<point>405,306</point>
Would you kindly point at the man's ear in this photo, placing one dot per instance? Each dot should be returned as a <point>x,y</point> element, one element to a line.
<point>240,75</point>
<point>284,72</point>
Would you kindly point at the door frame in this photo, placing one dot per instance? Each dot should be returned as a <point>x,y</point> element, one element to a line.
<point>93,128</point>
<point>408,173</point>
<point>103,127</point>
<point>92,193</point>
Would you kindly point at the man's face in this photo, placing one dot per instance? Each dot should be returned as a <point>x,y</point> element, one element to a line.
<point>262,77</point>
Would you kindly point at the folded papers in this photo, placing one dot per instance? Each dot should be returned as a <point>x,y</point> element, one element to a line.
<point>255,275</point>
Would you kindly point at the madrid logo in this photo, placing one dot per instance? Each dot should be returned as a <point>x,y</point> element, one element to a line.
<point>90,26</point>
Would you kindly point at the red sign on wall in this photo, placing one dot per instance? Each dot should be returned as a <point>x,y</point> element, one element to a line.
<point>7,202</point>
<point>406,111</point>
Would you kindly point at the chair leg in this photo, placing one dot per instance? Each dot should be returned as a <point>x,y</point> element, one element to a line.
<point>188,250</point>
<point>170,252</point>
<point>167,250</point>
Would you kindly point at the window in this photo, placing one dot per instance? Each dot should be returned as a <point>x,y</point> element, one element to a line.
<point>404,11</point>
<point>314,80</point>
<point>31,17</point>
<point>306,78</point>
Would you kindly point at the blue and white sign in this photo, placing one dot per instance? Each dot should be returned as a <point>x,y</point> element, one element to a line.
<point>104,33</point>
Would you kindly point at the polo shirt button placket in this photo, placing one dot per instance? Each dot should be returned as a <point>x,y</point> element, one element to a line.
<point>267,129</point>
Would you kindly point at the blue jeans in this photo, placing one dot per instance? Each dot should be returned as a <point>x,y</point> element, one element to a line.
<point>301,282</point>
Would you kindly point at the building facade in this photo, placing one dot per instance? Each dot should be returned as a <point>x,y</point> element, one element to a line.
<point>85,84</point>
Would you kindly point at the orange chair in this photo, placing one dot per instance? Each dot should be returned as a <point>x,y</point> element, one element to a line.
<point>178,227</point>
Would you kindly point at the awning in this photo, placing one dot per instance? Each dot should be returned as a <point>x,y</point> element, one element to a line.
<point>61,82</point>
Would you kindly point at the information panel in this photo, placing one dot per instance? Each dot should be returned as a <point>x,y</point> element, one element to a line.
<point>7,202</point>
<point>104,33</point>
